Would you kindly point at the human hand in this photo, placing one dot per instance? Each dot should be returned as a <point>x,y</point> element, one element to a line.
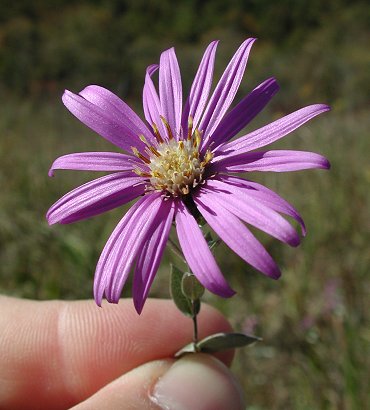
<point>55,355</point>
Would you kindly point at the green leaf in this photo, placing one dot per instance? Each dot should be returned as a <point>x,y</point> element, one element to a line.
<point>181,301</point>
<point>190,348</point>
<point>191,287</point>
<point>225,341</point>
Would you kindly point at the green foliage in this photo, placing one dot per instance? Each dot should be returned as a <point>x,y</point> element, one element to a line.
<point>182,302</point>
<point>191,287</point>
<point>225,341</point>
<point>48,46</point>
<point>218,342</point>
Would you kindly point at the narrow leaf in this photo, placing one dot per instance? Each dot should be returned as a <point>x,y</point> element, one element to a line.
<point>181,301</point>
<point>225,341</point>
<point>191,288</point>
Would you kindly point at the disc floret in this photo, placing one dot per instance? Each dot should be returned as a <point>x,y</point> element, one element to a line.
<point>174,167</point>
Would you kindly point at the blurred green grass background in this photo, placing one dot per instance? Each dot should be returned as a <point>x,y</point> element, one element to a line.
<point>315,319</point>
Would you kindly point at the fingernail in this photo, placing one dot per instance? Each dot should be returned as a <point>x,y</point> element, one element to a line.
<point>198,382</point>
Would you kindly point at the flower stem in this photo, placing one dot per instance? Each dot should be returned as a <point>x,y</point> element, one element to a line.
<point>176,250</point>
<point>195,324</point>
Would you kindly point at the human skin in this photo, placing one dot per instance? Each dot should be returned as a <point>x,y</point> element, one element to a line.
<point>57,354</point>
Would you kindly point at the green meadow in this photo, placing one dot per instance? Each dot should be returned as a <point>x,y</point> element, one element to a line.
<point>314,321</point>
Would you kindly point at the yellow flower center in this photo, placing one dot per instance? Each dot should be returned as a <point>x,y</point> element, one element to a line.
<point>175,167</point>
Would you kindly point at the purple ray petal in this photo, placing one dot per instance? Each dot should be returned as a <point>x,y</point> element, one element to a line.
<point>102,276</point>
<point>200,88</point>
<point>151,255</point>
<point>274,131</point>
<point>123,246</point>
<point>110,103</point>
<point>252,211</point>
<point>225,91</point>
<point>170,90</point>
<point>106,123</point>
<point>269,198</point>
<point>95,161</point>
<point>151,103</point>
<point>95,197</point>
<point>274,160</point>
<point>198,255</point>
<point>243,113</point>
<point>236,235</point>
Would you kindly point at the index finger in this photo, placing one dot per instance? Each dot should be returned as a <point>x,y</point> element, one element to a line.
<point>55,354</point>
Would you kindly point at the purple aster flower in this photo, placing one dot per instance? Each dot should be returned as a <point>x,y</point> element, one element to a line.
<point>181,163</point>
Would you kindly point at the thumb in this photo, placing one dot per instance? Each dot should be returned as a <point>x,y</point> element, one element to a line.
<point>195,382</point>
<point>198,382</point>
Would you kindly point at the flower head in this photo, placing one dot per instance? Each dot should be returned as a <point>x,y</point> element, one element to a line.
<point>182,163</point>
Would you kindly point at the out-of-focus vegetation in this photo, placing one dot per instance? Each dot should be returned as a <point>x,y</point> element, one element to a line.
<point>315,319</point>
<point>316,49</point>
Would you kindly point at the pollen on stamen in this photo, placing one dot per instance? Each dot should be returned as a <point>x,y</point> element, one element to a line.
<point>174,167</point>
<point>142,138</point>
<point>140,155</point>
<point>154,151</point>
<point>157,134</point>
<point>141,173</point>
<point>197,139</point>
<point>190,128</point>
<point>168,128</point>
